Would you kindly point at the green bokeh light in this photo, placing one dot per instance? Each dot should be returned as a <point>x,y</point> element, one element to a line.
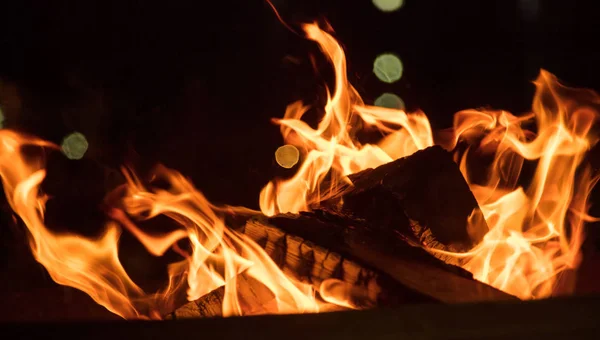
<point>287,156</point>
<point>1,118</point>
<point>388,5</point>
<point>388,68</point>
<point>390,101</point>
<point>74,145</point>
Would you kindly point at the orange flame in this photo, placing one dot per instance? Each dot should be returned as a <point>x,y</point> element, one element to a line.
<point>332,150</point>
<point>218,253</point>
<point>535,232</point>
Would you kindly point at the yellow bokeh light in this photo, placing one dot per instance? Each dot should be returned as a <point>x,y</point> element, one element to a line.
<point>390,101</point>
<point>388,5</point>
<point>287,156</point>
<point>74,145</point>
<point>388,68</point>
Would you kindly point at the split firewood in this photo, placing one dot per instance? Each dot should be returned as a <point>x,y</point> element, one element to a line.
<point>391,272</point>
<point>424,197</point>
<point>385,252</point>
<point>304,262</point>
<point>371,237</point>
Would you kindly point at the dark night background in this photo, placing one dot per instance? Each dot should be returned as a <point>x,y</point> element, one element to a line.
<point>194,84</point>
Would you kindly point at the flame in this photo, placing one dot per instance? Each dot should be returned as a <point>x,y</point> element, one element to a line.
<point>218,254</point>
<point>332,151</point>
<point>89,265</point>
<point>535,229</point>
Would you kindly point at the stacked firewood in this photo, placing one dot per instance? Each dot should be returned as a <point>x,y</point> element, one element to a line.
<point>373,238</point>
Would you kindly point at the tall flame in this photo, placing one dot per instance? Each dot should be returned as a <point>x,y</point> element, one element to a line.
<point>218,254</point>
<point>332,151</point>
<point>89,265</point>
<point>535,230</point>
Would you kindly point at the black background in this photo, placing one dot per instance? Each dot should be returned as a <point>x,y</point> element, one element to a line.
<point>194,84</point>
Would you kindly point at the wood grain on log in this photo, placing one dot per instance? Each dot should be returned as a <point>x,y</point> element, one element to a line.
<point>371,238</point>
<point>423,196</point>
<point>385,252</point>
<point>304,262</point>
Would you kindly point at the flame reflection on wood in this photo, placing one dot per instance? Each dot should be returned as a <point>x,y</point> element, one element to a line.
<point>535,231</point>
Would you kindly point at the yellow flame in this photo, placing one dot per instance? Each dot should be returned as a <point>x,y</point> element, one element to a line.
<point>218,254</point>
<point>535,230</point>
<point>332,149</point>
<point>89,265</point>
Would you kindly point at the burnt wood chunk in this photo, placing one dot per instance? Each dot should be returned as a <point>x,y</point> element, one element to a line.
<point>371,238</point>
<point>422,195</point>
<point>209,305</point>
<point>384,252</point>
<point>305,262</point>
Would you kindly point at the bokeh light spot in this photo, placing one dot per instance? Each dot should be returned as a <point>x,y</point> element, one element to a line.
<point>388,5</point>
<point>74,145</point>
<point>287,156</point>
<point>388,68</point>
<point>390,101</point>
<point>1,118</point>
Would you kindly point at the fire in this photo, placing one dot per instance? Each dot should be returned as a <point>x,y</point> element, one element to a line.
<point>332,151</point>
<point>535,231</point>
<point>217,254</point>
<point>536,228</point>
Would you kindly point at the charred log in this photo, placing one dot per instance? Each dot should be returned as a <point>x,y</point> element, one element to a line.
<point>304,262</point>
<point>371,238</point>
<point>385,270</point>
<point>423,196</point>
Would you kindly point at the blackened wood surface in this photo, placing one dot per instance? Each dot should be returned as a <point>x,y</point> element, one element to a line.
<point>385,252</point>
<point>423,195</point>
<point>306,262</point>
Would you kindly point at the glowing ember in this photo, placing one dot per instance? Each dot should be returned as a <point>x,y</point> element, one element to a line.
<point>535,231</point>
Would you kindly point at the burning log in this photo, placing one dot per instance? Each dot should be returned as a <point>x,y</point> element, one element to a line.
<point>307,263</point>
<point>385,252</point>
<point>400,272</point>
<point>363,241</point>
<point>303,260</point>
<point>423,196</point>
